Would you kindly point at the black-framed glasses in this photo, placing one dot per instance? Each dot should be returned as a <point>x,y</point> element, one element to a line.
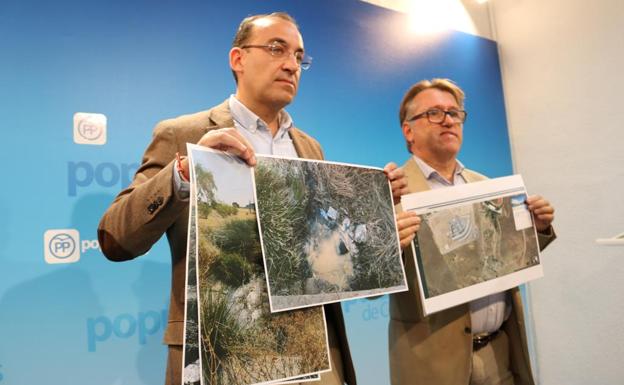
<point>436,115</point>
<point>280,51</point>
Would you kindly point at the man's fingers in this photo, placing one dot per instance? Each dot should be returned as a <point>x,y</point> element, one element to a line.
<point>407,215</point>
<point>407,222</point>
<point>546,209</point>
<point>399,184</point>
<point>546,217</point>
<point>406,241</point>
<point>229,140</point>
<point>398,181</point>
<point>536,202</point>
<point>395,175</point>
<point>398,192</point>
<point>388,168</point>
<point>408,231</point>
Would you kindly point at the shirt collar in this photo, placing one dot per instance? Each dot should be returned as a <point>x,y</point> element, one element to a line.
<point>247,120</point>
<point>431,173</point>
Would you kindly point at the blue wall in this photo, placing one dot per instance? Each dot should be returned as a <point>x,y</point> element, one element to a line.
<point>141,61</point>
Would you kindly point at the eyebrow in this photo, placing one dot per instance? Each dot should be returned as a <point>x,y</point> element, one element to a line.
<point>440,107</point>
<point>282,41</point>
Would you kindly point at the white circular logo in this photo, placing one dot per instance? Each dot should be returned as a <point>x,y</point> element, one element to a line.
<point>62,246</point>
<point>89,129</point>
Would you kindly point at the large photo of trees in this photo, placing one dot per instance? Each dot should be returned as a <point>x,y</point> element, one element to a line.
<point>328,232</point>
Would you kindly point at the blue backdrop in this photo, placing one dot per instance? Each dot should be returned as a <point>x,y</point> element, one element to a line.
<point>140,61</point>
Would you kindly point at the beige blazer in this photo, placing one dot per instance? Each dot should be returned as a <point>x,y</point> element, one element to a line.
<point>149,208</point>
<point>438,349</point>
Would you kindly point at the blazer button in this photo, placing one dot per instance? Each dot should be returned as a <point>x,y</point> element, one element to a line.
<point>159,201</point>
<point>467,330</point>
<point>151,208</point>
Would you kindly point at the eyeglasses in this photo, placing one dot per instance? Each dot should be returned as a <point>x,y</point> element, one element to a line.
<point>280,51</point>
<point>436,115</point>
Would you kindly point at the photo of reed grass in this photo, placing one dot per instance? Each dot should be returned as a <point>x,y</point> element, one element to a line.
<point>328,232</point>
<point>241,342</point>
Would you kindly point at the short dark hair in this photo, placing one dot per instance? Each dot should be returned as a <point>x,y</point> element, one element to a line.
<point>243,33</point>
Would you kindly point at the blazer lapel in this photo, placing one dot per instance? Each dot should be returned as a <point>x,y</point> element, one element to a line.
<point>304,146</point>
<point>220,117</point>
<point>416,181</point>
<point>300,142</point>
<point>471,177</point>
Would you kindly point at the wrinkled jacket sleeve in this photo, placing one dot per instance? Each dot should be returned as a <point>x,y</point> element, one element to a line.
<point>545,238</point>
<point>143,212</point>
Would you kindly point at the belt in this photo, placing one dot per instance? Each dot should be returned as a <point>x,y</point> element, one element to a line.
<point>481,340</point>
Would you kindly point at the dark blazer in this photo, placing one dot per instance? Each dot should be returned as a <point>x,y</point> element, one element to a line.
<point>149,208</point>
<point>438,349</point>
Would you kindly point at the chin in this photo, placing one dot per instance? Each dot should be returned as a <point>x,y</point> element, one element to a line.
<point>284,99</point>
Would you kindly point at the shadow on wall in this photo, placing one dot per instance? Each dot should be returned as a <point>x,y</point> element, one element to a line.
<point>59,325</point>
<point>88,210</point>
<point>5,234</point>
<point>43,328</point>
<point>149,284</point>
<point>152,287</point>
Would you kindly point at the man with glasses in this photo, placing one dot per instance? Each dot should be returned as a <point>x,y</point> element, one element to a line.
<point>266,58</point>
<point>482,342</point>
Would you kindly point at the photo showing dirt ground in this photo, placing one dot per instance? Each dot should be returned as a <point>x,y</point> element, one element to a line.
<point>474,243</point>
<point>241,341</point>
<point>328,232</point>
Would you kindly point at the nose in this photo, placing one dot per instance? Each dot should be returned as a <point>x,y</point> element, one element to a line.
<point>448,121</point>
<point>290,62</point>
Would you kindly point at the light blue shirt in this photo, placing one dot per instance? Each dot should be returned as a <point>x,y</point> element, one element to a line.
<point>257,132</point>
<point>487,314</point>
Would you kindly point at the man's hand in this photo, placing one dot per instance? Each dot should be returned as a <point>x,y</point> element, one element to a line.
<point>408,224</point>
<point>398,181</point>
<point>543,212</point>
<point>228,140</point>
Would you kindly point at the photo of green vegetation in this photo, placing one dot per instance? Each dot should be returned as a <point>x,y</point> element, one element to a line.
<point>241,342</point>
<point>328,232</point>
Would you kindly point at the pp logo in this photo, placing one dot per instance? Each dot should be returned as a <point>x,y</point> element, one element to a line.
<point>89,128</point>
<point>61,246</point>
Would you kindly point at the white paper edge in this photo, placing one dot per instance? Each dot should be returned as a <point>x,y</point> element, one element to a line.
<point>186,285</point>
<point>430,200</point>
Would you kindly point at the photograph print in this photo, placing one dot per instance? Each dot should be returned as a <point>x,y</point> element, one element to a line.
<point>241,341</point>
<point>474,240</point>
<point>328,232</point>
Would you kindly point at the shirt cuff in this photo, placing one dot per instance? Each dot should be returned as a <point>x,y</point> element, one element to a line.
<point>181,188</point>
<point>548,232</point>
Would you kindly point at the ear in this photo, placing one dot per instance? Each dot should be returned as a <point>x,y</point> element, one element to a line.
<point>236,59</point>
<point>407,131</point>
